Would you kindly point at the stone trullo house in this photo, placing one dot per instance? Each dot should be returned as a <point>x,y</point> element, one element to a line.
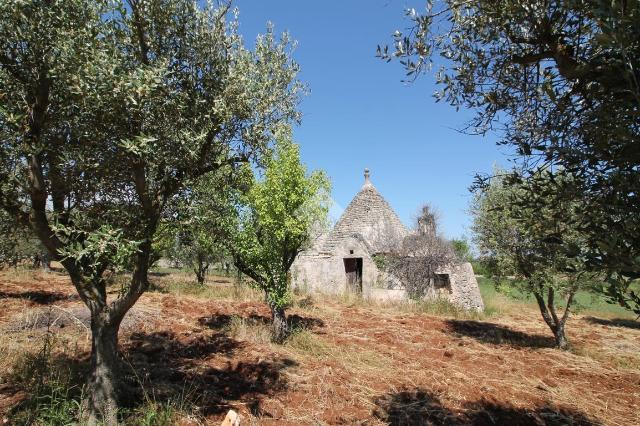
<point>343,260</point>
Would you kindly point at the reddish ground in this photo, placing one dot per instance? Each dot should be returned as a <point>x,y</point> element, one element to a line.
<point>358,364</point>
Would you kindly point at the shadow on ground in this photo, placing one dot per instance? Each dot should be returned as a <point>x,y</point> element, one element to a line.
<point>172,365</point>
<point>158,274</point>
<point>168,366</point>
<point>38,297</point>
<point>421,407</point>
<point>496,334</point>
<point>616,322</point>
<point>220,321</point>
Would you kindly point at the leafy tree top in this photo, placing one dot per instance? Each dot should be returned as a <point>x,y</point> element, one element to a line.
<point>277,216</point>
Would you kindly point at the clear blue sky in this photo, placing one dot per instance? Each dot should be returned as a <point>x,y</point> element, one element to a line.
<point>360,114</point>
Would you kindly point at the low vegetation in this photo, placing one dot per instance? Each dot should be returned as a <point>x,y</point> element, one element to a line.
<point>339,364</point>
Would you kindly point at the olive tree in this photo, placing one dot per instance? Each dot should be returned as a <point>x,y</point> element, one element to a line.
<point>107,109</point>
<point>537,250</point>
<point>559,82</point>
<point>462,249</point>
<point>276,219</point>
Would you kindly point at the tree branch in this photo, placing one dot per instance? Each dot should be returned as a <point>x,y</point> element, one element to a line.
<point>543,310</point>
<point>245,269</point>
<point>140,32</point>
<point>551,305</point>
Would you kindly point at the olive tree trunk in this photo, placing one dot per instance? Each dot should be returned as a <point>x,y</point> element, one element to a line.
<point>551,318</point>
<point>201,267</point>
<point>561,339</point>
<point>279,326</point>
<point>101,398</point>
<point>100,403</point>
<point>201,273</point>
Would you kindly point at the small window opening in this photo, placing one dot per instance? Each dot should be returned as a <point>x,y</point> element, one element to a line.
<point>442,283</point>
<point>350,251</point>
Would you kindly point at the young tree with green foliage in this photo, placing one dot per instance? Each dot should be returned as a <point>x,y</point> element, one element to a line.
<point>559,81</point>
<point>539,250</point>
<point>107,110</point>
<point>277,216</point>
<point>462,249</point>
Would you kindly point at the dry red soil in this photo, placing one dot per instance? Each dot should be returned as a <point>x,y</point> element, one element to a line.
<point>357,364</point>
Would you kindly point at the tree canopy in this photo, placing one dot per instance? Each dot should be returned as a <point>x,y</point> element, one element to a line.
<point>558,81</point>
<point>107,110</point>
<point>204,217</point>
<point>277,217</point>
<point>538,250</point>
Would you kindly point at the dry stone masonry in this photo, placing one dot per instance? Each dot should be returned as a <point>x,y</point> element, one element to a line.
<point>344,259</point>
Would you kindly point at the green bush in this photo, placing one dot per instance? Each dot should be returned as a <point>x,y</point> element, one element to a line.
<point>52,386</point>
<point>479,268</point>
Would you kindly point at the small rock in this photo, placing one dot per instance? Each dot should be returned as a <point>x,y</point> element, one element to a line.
<point>232,419</point>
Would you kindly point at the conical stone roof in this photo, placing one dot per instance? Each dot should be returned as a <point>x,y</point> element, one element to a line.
<point>370,218</point>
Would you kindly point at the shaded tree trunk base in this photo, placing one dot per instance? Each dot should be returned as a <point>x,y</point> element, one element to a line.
<point>279,326</point>
<point>100,402</point>
<point>200,279</point>
<point>561,339</point>
<point>201,270</point>
<point>555,322</point>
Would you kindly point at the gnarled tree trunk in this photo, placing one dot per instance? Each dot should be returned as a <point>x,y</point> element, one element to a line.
<point>279,326</point>
<point>100,404</point>
<point>201,268</point>
<point>561,339</point>
<point>548,311</point>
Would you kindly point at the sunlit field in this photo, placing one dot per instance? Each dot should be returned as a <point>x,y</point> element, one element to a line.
<point>193,352</point>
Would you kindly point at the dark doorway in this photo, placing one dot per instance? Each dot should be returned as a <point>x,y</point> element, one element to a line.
<point>442,284</point>
<point>353,269</point>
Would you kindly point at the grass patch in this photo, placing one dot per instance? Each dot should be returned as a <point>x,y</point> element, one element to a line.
<point>585,302</point>
<point>618,361</point>
<point>52,384</point>
<point>353,300</point>
<point>306,302</point>
<point>437,307</point>
<point>155,413</point>
<point>248,329</point>
<point>357,359</point>
<point>305,342</point>
<point>180,285</point>
<point>52,380</point>
<point>442,307</point>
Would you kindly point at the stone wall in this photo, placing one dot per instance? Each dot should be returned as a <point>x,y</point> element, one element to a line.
<point>464,288</point>
<point>325,272</point>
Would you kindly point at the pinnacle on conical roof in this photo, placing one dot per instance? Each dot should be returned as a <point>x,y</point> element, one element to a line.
<point>370,217</point>
<point>367,181</point>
